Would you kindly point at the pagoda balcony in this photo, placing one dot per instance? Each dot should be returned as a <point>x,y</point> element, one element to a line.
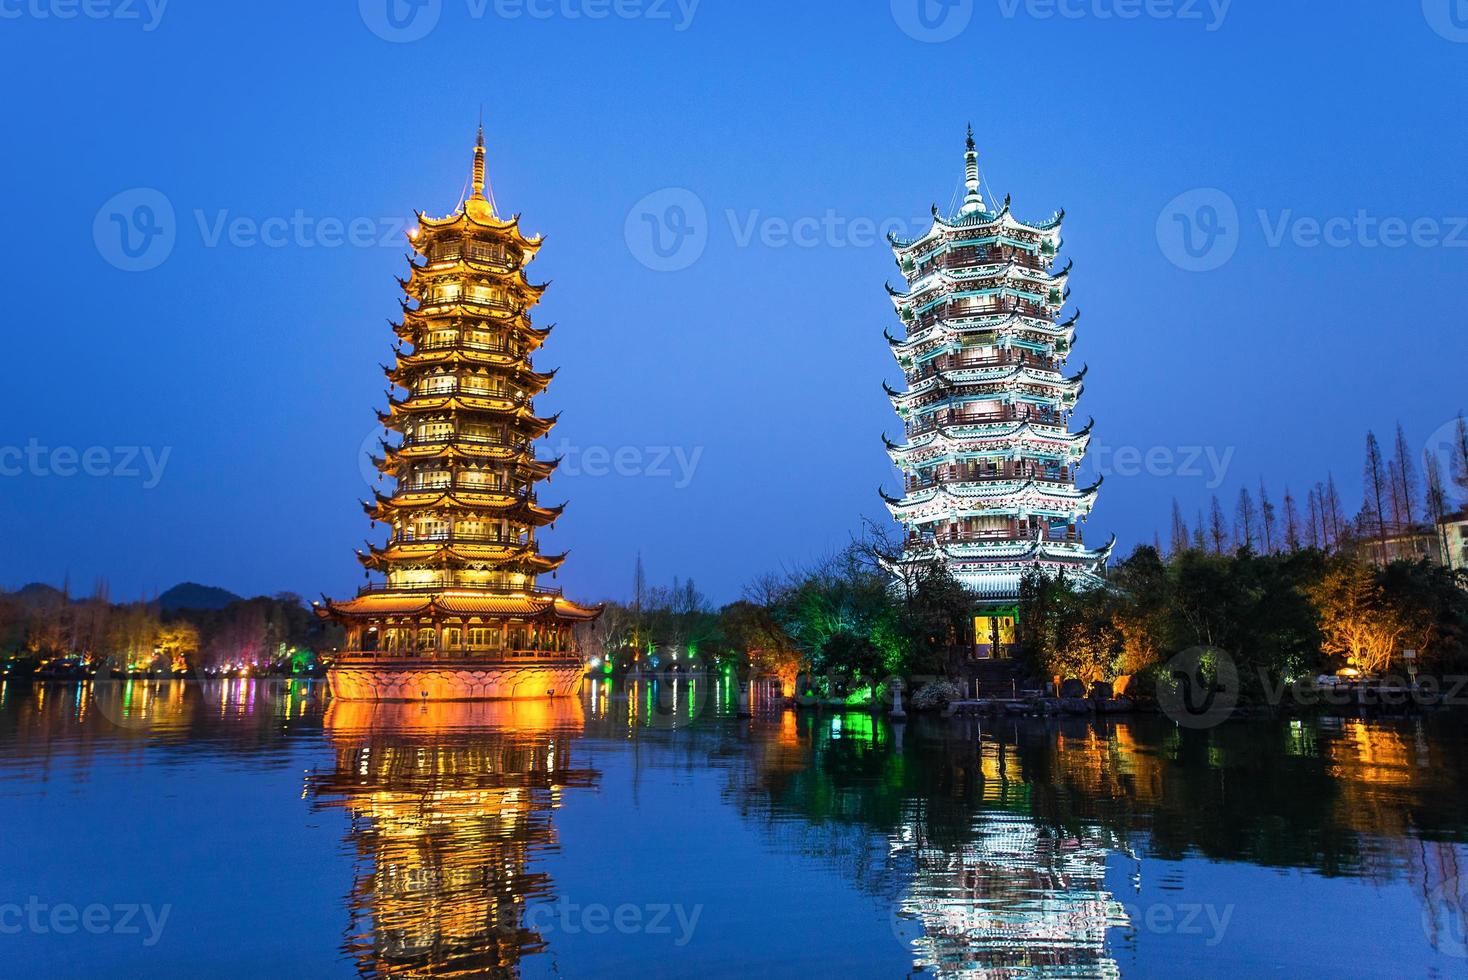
<point>519,445</point>
<point>434,486</point>
<point>983,475</point>
<point>378,588</point>
<point>938,420</point>
<point>438,392</point>
<point>956,312</point>
<point>1004,535</point>
<point>451,538</point>
<point>467,344</point>
<point>448,659</point>
<point>1009,359</point>
<point>464,299</point>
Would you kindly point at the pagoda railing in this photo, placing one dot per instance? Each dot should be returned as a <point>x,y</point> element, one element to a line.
<point>457,538</point>
<point>459,389</point>
<point>451,658</point>
<point>979,363</point>
<point>378,588</point>
<point>948,419</point>
<point>1000,475</point>
<point>1017,536</point>
<point>472,345</point>
<point>428,486</point>
<point>520,445</point>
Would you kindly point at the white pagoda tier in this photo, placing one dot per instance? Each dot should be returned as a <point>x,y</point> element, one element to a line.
<point>989,459</point>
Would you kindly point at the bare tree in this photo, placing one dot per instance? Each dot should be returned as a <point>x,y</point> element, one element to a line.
<point>1179,529</point>
<point>1244,536</point>
<point>1436,502</point>
<point>1317,521</point>
<point>1292,522</point>
<point>1373,511</point>
<point>1404,476</point>
<point>1266,518</point>
<point>1334,513</point>
<point>1199,529</point>
<point>1217,526</point>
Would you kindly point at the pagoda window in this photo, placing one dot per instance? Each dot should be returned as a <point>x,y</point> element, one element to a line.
<point>391,639</point>
<point>453,638</point>
<point>427,638</point>
<point>517,638</point>
<point>445,292</point>
<point>446,251</point>
<point>434,431</point>
<point>487,295</point>
<point>492,253</point>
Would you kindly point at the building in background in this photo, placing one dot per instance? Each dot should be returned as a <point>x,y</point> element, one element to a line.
<point>988,457</point>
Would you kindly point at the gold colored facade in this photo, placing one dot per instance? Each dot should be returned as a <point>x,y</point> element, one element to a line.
<point>461,562</point>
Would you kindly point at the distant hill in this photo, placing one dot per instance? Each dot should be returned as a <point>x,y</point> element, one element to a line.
<point>37,592</point>
<point>191,595</point>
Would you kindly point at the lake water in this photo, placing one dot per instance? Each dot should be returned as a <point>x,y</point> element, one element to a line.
<point>247,828</point>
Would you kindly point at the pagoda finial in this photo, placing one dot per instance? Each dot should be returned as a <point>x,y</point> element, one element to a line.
<point>479,157</point>
<point>973,200</point>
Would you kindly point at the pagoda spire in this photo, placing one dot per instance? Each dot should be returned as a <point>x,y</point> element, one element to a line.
<point>973,200</point>
<point>480,203</point>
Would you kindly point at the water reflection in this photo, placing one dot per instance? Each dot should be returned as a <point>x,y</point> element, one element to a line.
<point>1015,849</point>
<point>449,806</point>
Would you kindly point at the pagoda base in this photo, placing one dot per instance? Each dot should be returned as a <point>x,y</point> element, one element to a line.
<point>428,680</point>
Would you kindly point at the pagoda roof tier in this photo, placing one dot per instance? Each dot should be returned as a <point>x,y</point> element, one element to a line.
<point>534,605</point>
<point>938,444</point>
<point>507,505</point>
<point>473,219</point>
<point>423,277</point>
<point>982,498</point>
<point>528,426</point>
<point>1030,549</point>
<point>918,304</point>
<point>412,366</point>
<point>1002,323</point>
<point>990,381</point>
<point>977,224</point>
<point>394,457</point>
<point>435,554</point>
<point>414,320</point>
<point>947,281</point>
<point>940,389</point>
<point>461,403</point>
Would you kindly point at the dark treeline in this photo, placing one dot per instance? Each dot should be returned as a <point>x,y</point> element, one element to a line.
<point>41,626</point>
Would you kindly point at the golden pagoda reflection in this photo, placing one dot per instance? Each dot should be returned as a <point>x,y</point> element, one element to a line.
<point>448,806</point>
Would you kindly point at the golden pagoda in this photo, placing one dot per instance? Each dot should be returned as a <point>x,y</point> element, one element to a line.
<point>460,615</point>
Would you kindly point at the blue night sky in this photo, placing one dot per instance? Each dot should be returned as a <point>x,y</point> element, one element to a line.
<point>743,392</point>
